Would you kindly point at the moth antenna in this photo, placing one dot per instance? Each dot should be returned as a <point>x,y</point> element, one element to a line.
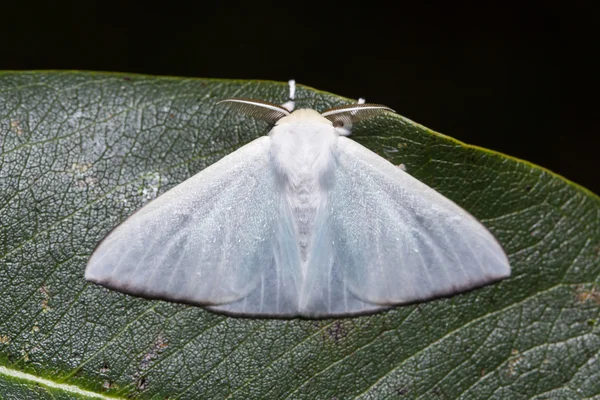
<point>343,117</point>
<point>291,104</point>
<point>360,101</point>
<point>258,109</point>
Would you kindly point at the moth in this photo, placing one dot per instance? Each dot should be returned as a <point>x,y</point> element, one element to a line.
<point>301,222</point>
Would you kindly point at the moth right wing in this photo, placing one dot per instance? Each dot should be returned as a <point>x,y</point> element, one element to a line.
<point>398,240</point>
<point>207,241</point>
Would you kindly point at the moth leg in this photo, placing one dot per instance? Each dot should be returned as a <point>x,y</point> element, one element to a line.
<point>290,104</point>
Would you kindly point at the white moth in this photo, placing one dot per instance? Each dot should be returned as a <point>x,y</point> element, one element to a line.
<point>302,222</point>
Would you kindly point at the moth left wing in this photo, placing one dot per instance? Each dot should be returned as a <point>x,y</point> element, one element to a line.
<point>207,241</point>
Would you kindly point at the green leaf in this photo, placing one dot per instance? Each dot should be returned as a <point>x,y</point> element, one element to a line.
<point>79,152</point>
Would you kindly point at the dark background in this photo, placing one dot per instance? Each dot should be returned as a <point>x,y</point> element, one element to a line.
<point>517,78</point>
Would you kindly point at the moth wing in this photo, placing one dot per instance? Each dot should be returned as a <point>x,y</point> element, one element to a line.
<point>325,291</point>
<point>398,240</point>
<point>276,294</point>
<point>203,242</point>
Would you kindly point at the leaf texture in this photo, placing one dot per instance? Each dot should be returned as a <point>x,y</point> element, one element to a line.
<point>79,152</point>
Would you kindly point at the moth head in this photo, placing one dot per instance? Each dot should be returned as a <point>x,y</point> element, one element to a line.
<point>343,117</point>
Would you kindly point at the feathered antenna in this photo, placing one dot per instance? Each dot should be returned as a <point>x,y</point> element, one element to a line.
<point>258,109</point>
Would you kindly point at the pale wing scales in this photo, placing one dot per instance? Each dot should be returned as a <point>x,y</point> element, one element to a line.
<point>276,293</point>
<point>206,241</point>
<point>400,241</point>
<point>325,292</point>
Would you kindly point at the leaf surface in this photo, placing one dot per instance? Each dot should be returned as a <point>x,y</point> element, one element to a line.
<point>79,152</point>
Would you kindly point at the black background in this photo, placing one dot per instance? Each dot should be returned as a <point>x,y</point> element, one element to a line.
<point>517,78</point>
